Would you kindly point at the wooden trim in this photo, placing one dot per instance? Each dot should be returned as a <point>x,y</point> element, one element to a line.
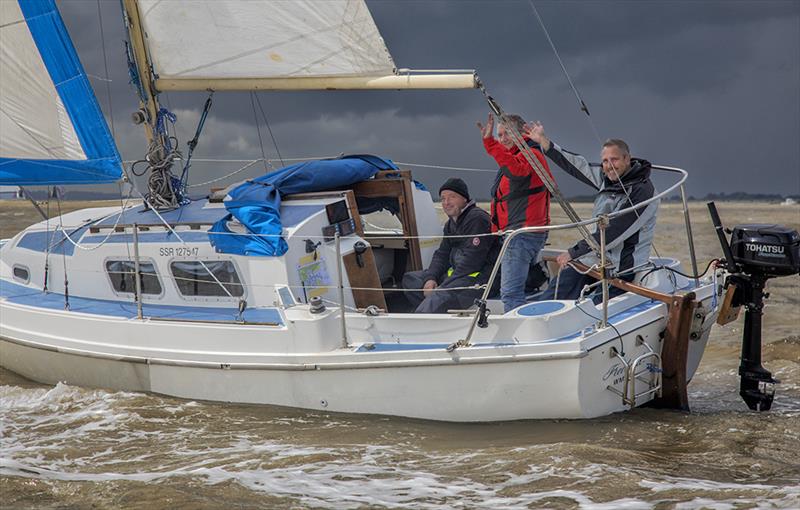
<point>315,194</point>
<point>410,217</point>
<point>622,284</point>
<point>397,184</point>
<point>366,277</point>
<point>354,214</point>
<point>675,352</point>
<point>728,312</point>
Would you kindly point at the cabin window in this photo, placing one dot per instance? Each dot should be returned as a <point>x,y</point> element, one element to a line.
<point>22,274</point>
<point>121,273</point>
<point>286,297</point>
<point>194,278</point>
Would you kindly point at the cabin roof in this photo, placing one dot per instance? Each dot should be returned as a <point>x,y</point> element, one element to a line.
<point>203,212</point>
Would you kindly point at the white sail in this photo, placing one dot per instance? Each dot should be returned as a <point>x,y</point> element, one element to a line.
<point>262,39</point>
<point>33,121</point>
<point>270,44</point>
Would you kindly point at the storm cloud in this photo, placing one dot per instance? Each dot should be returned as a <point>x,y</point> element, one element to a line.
<point>712,87</point>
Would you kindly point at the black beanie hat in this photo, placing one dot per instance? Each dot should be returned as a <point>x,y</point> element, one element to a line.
<point>456,185</point>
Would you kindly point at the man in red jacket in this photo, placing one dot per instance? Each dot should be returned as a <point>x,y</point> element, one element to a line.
<point>519,199</point>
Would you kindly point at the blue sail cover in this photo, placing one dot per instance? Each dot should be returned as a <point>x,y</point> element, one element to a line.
<point>256,204</point>
<point>53,131</point>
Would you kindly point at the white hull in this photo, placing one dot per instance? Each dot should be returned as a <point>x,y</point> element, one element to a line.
<point>550,379</point>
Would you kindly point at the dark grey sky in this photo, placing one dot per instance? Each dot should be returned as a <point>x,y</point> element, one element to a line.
<point>712,87</point>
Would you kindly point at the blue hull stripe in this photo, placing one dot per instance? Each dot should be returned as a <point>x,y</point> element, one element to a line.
<point>155,237</point>
<point>127,309</point>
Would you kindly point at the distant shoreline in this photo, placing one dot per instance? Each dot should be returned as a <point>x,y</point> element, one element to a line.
<point>577,200</point>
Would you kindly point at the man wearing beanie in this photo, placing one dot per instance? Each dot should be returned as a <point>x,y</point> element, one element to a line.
<point>519,199</point>
<point>464,258</point>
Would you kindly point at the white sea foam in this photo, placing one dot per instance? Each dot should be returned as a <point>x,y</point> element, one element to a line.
<point>118,436</point>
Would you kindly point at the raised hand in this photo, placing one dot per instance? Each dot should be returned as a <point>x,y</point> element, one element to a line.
<point>535,132</point>
<point>487,131</point>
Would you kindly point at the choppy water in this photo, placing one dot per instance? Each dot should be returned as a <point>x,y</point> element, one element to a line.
<point>66,446</point>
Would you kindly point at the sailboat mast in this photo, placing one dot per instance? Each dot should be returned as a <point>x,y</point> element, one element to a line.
<point>149,101</point>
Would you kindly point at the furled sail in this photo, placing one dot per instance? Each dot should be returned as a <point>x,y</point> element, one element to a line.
<point>52,130</point>
<point>269,44</point>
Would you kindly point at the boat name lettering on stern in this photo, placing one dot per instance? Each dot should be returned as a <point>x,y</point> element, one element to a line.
<point>617,372</point>
<point>180,251</point>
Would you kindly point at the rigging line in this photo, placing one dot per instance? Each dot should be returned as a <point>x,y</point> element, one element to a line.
<point>112,231</point>
<point>254,161</point>
<point>192,144</point>
<point>105,64</point>
<point>178,237</point>
<point>266,120</point>
<point>122,210</point>
<point>63,248</point>
<point>47,243</point>
<point>441,167</point>
<point>582,104</point>
<point>258,130</point>
<point>98,78</point>
<point>212,181</point>
<point>630,201</point>
<point>537,167</point>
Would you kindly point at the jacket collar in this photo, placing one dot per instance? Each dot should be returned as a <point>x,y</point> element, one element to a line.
<point>529,142</point>
<point>469,205</point>
<point>639,172</point>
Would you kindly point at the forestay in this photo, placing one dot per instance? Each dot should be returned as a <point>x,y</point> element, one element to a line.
<point>53,131</point>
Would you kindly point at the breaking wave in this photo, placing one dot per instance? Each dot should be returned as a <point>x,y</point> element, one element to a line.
<point>69,436</point>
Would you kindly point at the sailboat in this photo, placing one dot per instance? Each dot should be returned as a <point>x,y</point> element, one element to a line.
<point>275,290</point>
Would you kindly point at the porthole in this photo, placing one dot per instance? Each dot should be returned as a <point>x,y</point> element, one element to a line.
<point>22,274</point>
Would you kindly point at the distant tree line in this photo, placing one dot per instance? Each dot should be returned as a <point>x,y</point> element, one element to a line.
<point>41,194</point>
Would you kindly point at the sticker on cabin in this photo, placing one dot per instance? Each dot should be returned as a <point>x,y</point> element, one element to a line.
<point>433,242</point>
<point>313,276</point>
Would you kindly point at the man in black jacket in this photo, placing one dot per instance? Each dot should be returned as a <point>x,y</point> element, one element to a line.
<point>464,258</point>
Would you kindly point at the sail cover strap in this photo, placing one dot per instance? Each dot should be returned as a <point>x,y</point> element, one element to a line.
<point>53,131</point>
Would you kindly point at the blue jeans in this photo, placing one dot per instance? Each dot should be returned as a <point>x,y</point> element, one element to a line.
<point>522,251</point>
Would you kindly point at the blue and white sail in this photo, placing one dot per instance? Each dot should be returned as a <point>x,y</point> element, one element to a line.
<point>52,130</point>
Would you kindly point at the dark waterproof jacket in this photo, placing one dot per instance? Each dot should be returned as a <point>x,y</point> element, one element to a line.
<point>628,237</point>
<point>519,198</point>
<point>466,255</point>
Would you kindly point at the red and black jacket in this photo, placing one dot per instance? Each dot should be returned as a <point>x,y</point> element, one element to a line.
<point>519,197</point>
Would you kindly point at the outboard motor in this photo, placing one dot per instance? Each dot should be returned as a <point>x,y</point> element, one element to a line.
<point>755,254</point>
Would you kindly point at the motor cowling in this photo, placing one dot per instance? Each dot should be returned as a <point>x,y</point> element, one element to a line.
<point>767,250</point>
<point>754,254</point>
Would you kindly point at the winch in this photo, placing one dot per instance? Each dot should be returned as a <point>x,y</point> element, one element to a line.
<point>754,254</point>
